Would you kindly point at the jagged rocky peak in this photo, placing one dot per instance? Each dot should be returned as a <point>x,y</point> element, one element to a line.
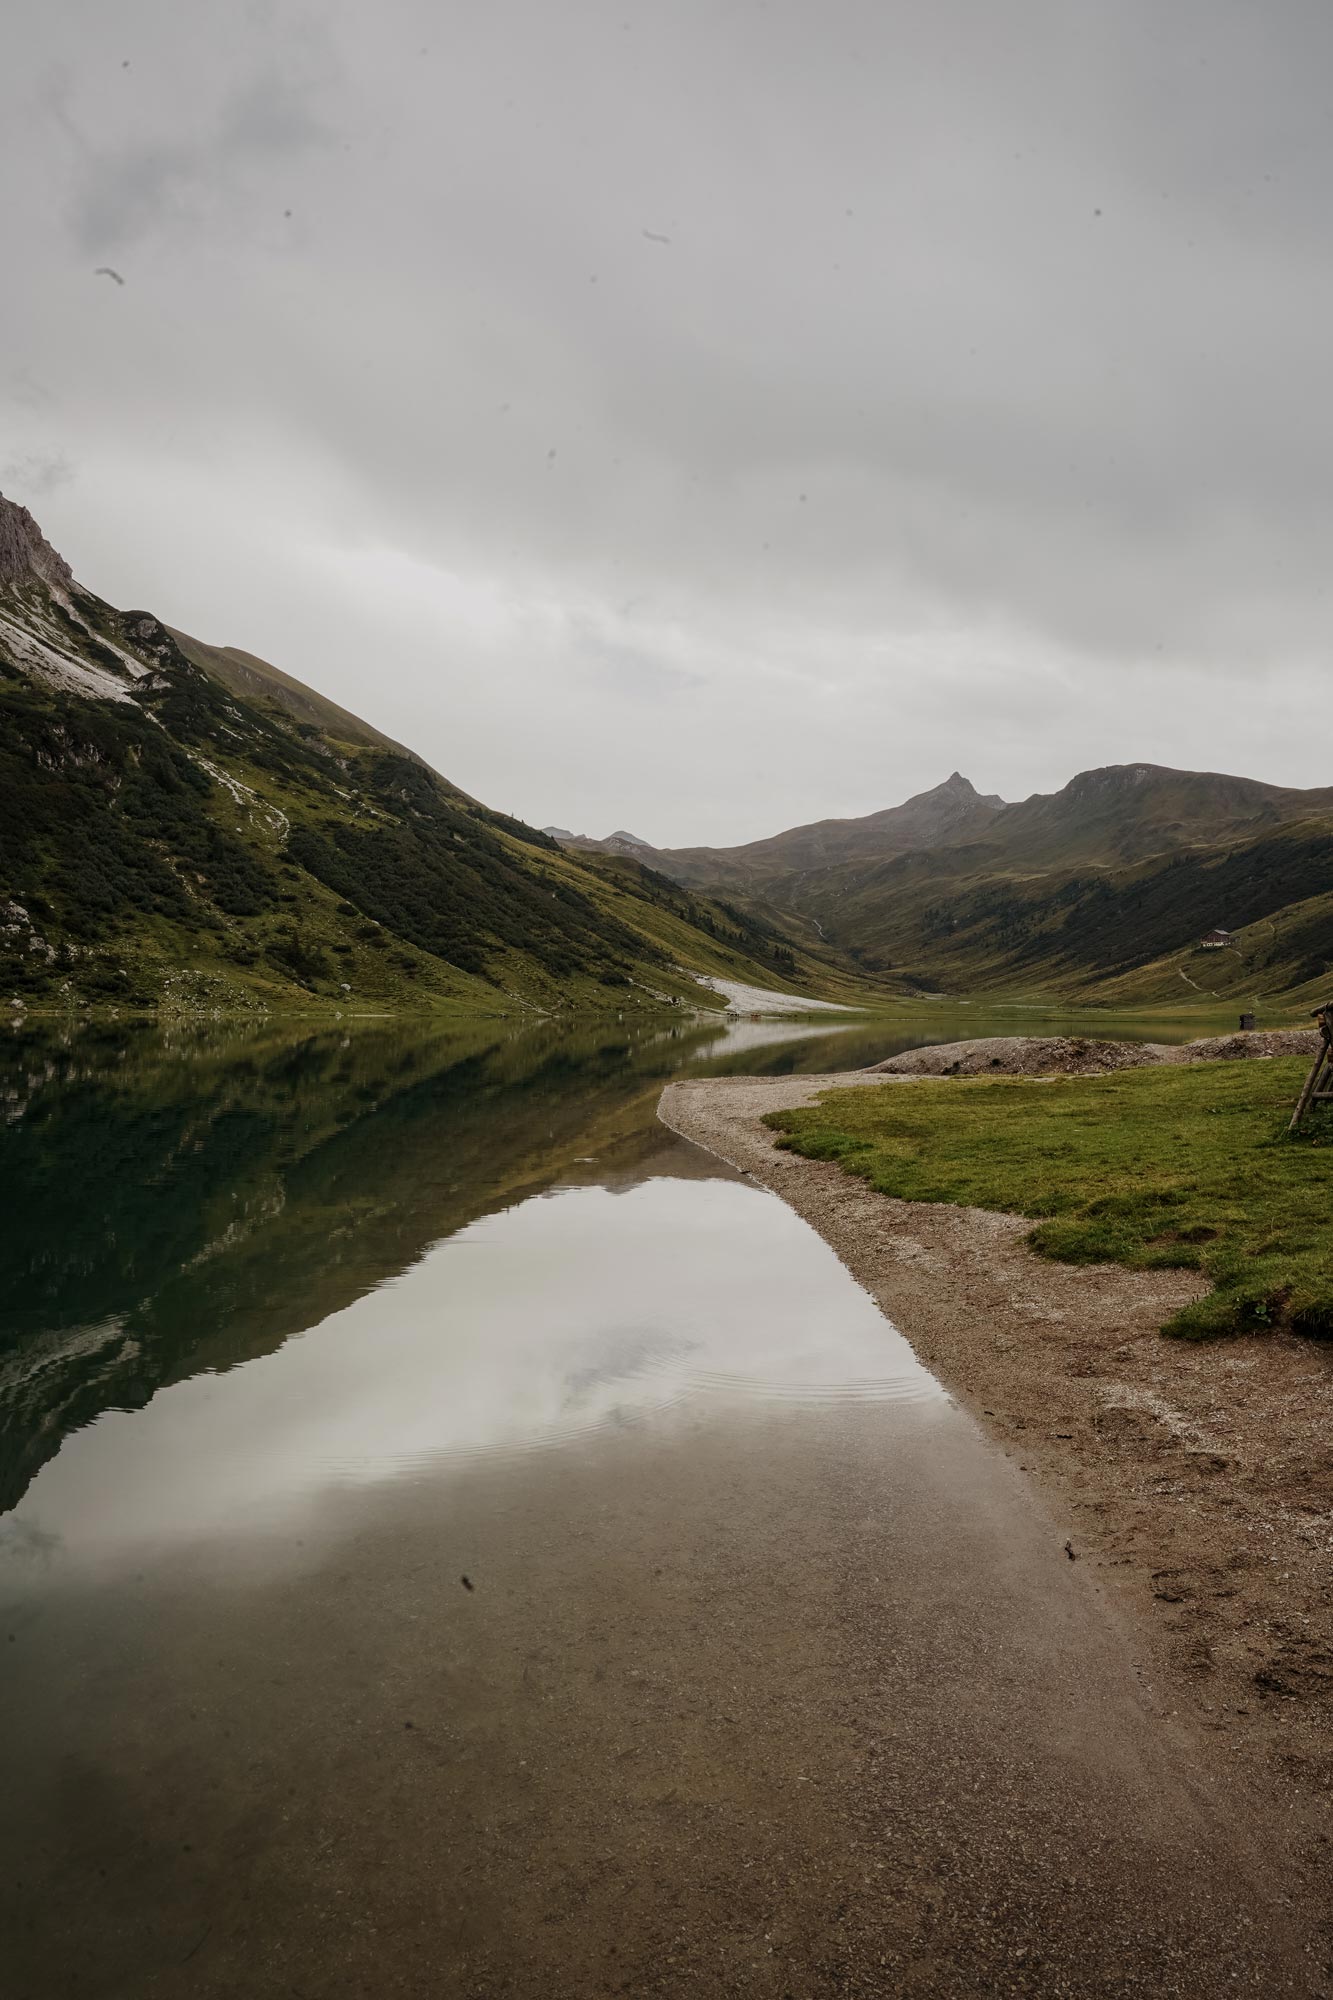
<point>25,552</point>
<point>619,842</point>
<point>961,788</point>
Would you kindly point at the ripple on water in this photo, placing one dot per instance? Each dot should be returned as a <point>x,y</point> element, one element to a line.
<point>915,1388</point>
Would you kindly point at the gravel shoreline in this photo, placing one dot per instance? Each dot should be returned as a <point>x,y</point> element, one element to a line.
<point>1197,1477</point>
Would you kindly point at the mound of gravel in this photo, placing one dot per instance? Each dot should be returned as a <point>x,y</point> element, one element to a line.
<point>1076,1055</point>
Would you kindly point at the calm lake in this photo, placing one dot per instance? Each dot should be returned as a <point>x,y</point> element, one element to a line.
<point>431,1499</point>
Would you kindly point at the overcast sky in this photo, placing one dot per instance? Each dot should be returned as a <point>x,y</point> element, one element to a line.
<point>706,416</point>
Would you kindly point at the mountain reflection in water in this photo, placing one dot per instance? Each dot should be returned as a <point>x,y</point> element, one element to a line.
<point>561,1318</point>
<point>187,1199</point>
<point>182,1200</point>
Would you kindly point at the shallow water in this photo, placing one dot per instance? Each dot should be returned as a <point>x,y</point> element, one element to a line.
<point>427,1486</point>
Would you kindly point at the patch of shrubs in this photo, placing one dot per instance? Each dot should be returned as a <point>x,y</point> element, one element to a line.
<point>107,819</point>
<point>303,958</point>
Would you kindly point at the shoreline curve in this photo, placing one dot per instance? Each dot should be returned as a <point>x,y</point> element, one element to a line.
<point>1194,1475</point>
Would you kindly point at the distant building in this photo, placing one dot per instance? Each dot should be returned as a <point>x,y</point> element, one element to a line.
<point>1216,940</point>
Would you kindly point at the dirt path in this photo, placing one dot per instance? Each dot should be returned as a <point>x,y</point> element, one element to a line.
<point>1197,1478</point>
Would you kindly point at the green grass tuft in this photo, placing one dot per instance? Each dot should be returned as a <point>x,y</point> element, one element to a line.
<point>1188,1168</point>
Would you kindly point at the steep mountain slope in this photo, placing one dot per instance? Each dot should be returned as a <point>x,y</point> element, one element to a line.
<point>172,835</point>
<point>269,687</point>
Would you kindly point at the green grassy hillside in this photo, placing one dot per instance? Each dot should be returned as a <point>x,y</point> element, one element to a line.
<point>957,920</point>
<point>173,835</point>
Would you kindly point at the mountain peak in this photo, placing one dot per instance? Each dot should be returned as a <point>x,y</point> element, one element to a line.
<point>25,551</point>
<point>957,787</point>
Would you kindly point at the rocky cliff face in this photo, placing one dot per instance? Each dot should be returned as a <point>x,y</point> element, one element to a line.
<point>60,635</point>
<point>25,552</point>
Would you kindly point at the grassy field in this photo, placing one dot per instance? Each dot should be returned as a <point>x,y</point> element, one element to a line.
<point>1188,1167</point>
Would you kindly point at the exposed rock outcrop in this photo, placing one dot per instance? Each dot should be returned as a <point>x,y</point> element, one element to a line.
<point>25,551</point>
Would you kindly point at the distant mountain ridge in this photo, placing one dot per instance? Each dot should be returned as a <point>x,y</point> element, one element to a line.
<point>1117,812</point>
<point>619,842</point>
<point>1103,886</point>
<point>921,821</point>
<point>1125,812</point>
<point>951,811</point>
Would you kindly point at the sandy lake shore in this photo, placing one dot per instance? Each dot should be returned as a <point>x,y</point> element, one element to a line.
<point>1197,1477</point>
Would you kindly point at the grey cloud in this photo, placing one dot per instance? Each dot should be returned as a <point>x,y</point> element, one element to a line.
<point>145,185</point>
<point>37,473</point>
<point>1032,304</point>
<point>631,672</point>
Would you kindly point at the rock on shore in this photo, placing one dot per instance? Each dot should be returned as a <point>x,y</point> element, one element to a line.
<point>1076,1055</point>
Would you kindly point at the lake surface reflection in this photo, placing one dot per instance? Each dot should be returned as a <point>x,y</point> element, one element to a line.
<point>528,1330</point>
<point>257,1259</point>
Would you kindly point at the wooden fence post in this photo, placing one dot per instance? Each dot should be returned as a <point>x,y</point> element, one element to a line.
<point>1322,1067</point>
